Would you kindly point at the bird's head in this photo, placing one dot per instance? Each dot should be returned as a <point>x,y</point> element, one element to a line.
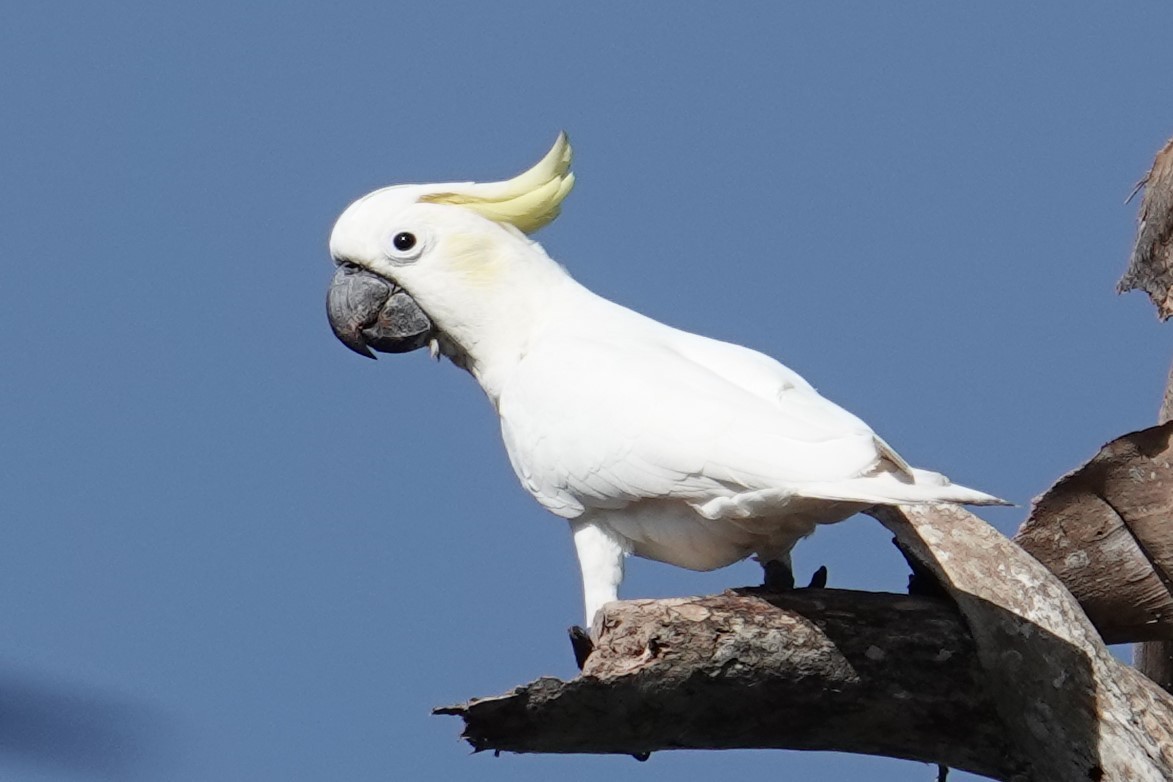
<point>421,262</point>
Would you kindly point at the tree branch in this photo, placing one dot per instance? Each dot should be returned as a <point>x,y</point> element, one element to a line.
<point>1151,269</point>
<point>1031,694</point>
<point>880,674</point>
<point>1155,658</point>
<point>1066,702</point>
<point>1103,530</point>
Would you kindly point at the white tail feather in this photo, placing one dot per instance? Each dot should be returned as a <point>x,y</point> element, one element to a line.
<point>886,488</point>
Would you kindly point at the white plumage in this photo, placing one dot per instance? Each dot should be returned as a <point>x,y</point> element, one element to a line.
<point>650,440</point>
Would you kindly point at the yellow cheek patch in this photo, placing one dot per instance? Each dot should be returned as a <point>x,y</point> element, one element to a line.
<point>474,259</point>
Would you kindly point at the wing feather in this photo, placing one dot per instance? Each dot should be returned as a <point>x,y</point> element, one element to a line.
<point>599,423</point>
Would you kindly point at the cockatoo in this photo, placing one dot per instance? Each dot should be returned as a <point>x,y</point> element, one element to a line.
<point>650,441</point>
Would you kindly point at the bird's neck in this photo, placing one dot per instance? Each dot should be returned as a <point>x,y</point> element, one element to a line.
<point>495,329</point>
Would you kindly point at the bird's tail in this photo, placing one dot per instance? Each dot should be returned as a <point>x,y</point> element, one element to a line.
<point>889,487</point>
<point>899,488</point>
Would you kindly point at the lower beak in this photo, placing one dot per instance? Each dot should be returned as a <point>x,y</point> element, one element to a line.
<point>366,311</point>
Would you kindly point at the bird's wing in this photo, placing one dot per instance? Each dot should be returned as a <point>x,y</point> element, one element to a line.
<point>770,379</point>
<point>601,422</point>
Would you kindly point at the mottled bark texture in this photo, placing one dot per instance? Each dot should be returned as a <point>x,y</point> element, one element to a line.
<point>1155,658</point>
<point>883,674</point>
<point>1151,267</point>
<point>1006,678</point>
<point>1071,709</point>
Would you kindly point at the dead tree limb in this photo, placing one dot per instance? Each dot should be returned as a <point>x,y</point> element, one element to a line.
<point>827,669</point>
<point>1151,266</point>
<point>1151,269</point>
<point>1070,707</point>
<point>1155,658</point>
<point>1104,530</point>
<point>1043,698</point>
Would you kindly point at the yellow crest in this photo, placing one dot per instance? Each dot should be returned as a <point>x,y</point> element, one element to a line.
<point>529,201</point>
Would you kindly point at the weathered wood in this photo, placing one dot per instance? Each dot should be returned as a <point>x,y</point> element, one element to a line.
<point>1155,658</point>
<point>1072,709</point>
<point>880,674</point>
<point>1151,266</point>
<point>1165,414</point>
<point>1043,698</point>
<point>1104,530</point>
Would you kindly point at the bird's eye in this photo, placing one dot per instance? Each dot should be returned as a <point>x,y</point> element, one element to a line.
<point>404,247</point>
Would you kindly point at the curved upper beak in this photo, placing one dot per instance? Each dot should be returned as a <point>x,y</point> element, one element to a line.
<point>367,311</point>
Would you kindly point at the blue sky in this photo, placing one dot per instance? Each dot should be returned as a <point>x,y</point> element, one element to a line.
<point>233,550</point>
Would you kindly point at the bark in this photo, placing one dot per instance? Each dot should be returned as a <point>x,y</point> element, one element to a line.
<point>1151,267</point>
<point>1071,708</point>
<point>1155,658</point>
<point>1102,529</point>
<point>1032,694</point>
<point>880,674</point>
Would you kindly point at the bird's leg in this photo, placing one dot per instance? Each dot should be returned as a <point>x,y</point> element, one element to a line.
<point>600,557</point>
<point>779,576</point>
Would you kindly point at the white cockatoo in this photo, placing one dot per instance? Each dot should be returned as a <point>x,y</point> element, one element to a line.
<point>650,441</point>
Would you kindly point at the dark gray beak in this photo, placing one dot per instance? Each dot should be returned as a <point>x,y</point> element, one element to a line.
<point>366,311</point>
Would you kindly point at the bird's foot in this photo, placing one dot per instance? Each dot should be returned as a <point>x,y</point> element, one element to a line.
<point>925,584</point>
<point>921,581</point>
<point>581,643</point>
<point>780,578</point>
<point>818,578</point>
